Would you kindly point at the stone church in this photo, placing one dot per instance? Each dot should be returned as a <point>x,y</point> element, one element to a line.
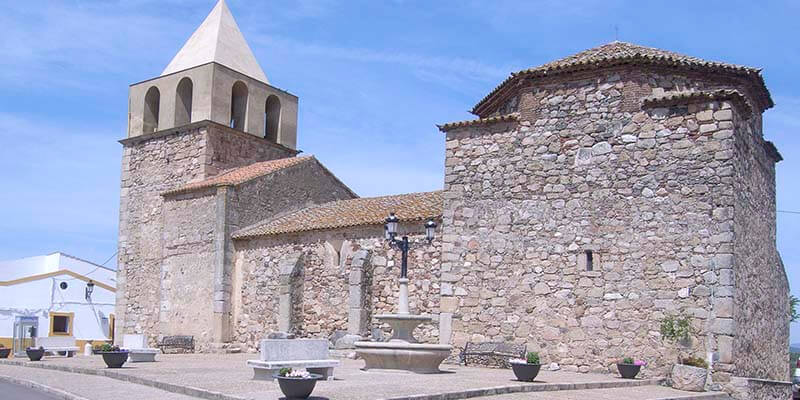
<point>591,197</point>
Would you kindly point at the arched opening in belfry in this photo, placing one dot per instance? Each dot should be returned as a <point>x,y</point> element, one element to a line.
<point>183,102</point>
<point>238,105</point>
<point>272,118</point>
<point>152,103</point>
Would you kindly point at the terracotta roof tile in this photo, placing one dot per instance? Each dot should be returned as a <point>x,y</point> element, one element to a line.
<point>482,121</point>
<point>240,175</point>
<point>354,212</point>
<point>615,53</point>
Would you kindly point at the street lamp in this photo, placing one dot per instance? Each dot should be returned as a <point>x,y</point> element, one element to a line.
<point>390,230</point>
<point>89,290</point>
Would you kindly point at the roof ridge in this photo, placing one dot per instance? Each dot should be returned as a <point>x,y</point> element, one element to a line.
<point>229,177</point>
<point>343,213</point>
<point>618,52</point>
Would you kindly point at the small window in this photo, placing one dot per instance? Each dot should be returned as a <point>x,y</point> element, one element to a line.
<point>61,324</point>
<point>589,260</point>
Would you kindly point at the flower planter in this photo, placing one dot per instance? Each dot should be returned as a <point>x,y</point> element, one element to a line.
<point>4,353</point>
<point>35,354</point>
<point>297,388</point>
<point>526,372</point>
<point>692,379</point>
<point>115,359</point>
<point>628,371</point>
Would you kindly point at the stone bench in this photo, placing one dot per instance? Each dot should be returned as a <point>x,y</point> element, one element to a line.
<point>58,344</point>
<point>176,344</point>
<point>491,354</point>
<point>137,350</point>
<point>311,354</point>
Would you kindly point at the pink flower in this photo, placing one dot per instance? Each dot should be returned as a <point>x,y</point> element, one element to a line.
<point>640,363</point>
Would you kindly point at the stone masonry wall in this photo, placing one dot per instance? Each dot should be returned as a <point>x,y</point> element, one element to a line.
<point>761,308</point>
<point>187,269</point>
<point>324,298</point>
<point>151,165</point>
<point>589,169</point>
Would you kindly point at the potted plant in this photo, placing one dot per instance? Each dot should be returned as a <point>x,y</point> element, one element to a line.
<point>34,353</point>
<point>113,356</point>
<point>296,383</point>
<point>526,369</point>
<point>628,368</point>
<point>4,352</point>
<point>690,374</point>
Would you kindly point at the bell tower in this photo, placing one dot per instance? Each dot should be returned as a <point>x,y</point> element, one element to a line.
<point>214,77</point>
<point>211,110</point>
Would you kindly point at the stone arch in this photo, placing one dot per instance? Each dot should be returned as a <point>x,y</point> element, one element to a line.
<point>152,105</point>
<point>183,102</point>
<point>239,98</point>
<point>272,118</point>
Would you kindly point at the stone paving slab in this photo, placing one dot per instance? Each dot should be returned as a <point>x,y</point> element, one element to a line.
<point>226,376</point>
<point>88,387</point>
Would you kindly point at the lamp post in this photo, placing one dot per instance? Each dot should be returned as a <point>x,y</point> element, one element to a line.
<point>403,245</point>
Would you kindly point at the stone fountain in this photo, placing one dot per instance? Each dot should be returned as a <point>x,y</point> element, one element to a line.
<point>402,352</point>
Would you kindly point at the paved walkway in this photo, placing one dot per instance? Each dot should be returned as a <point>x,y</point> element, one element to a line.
<point>16,392</point>
<point>210,376</point>
<point>87,386</point>
<point>636,393</point>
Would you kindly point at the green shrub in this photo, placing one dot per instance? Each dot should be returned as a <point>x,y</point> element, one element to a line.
<point>627,360</point>
<point>676,329</point>
<point>694,362</point>
<point>284,371</point>
<point>532,357</point>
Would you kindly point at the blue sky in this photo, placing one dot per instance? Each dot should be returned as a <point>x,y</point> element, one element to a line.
<point>373,77</point>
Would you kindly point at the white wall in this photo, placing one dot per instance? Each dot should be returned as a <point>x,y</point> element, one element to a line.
<point>38,298</point>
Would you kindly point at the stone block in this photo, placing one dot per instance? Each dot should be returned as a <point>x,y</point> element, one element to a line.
<point>723,326</point>
<point>293,349</point>
<point>725,349</point>
<point>688,378</point>
<point>723,307</point>
<point>448,304</point>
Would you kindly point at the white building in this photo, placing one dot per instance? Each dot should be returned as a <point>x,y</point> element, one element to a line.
<point>55,295</point>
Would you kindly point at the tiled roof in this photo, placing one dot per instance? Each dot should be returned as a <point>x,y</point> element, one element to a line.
<point>482,121</point>
<point>240,175</point>
<point>355,212</point>
<point>674,98</point>
<point>615,53</point>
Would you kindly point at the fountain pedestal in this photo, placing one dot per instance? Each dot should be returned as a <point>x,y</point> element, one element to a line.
<point>402,352</point>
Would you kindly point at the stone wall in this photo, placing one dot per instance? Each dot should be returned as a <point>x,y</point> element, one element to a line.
<point>647,190</point>
<point>187,268</point>
<point>324,283</point>
<point>151,165</point>
<point>758,389</point>
<point>761,316</point>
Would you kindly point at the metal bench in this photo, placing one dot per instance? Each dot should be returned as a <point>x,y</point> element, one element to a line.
<point>58,345</point>
<point>491,354</point>
<point>177,344</point>
<point>137,352</point>
<point>311,354</point>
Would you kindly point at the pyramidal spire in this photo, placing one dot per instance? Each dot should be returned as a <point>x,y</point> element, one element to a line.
<point>218,39</point>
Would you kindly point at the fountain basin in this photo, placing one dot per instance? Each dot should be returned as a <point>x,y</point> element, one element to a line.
<point>420,358</point>
<point>403,325</point>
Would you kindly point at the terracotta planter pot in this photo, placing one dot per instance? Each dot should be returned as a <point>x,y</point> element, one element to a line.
<point>4,353</point>
<point>115,359</point>
<point>297,388</point>
<point>35,354</point>
<point>628,371</point>
<point>526,372</point>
